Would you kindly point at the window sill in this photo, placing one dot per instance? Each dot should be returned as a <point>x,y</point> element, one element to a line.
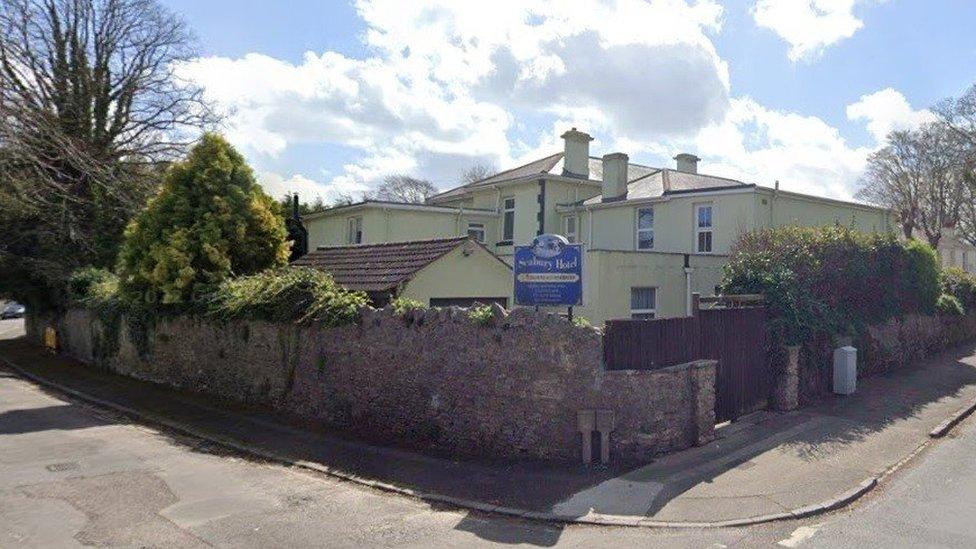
<point>504,243</point>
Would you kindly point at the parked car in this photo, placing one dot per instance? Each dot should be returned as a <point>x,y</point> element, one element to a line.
<point>12,310</point>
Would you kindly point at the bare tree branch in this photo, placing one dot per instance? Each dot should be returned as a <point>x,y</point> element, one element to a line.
<point>90,108</point>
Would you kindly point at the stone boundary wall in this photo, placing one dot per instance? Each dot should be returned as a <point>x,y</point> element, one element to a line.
<point>881,348</point>
<point>431,380</point>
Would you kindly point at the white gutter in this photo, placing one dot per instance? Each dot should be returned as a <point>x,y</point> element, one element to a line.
<point>534,178</point>
<point>810,198</point>
<point>398,206</point>
<point>652,199</point>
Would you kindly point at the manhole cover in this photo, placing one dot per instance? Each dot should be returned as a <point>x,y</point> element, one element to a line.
<point>61,467</point>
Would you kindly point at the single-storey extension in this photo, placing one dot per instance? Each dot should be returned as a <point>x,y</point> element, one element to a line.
<point>442,272</point>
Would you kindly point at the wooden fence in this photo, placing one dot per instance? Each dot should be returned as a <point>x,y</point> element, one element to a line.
<point>729,332</point>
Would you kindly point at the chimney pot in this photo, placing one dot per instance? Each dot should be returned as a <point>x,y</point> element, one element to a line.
<point>576,153</point>
<point>615,176</point>
<point>687,163</point>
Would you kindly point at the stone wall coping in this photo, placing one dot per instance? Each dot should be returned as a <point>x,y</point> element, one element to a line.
<point>693,365</point>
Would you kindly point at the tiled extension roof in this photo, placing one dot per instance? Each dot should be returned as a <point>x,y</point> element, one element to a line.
<point>378,267</point>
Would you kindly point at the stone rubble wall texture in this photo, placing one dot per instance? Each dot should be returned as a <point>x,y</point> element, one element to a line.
<point>432,380</point>
<point>881,348</point>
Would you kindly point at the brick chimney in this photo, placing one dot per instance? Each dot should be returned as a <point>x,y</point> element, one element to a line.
<point>576,153</point>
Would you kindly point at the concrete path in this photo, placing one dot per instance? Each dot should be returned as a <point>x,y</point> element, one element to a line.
<point>765,466</point>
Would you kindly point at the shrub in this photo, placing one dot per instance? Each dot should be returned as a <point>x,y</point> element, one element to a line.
<point>921,276</point>
<point>832,280</point>
<point>948,305</point>
<point>298,294</point>
<point>403,305</point>
<point>91,286</point>
<point>961,285</point>
<point>209,221</point>
<point>482,314</point>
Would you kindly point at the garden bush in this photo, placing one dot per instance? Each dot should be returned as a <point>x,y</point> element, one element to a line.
<point>832,280</point>
<point>290,294</point>
<point>403,305</point>
<point>91,287</point>
<point>209,222</point>
<point>948,305</point>
<point>961,285</point>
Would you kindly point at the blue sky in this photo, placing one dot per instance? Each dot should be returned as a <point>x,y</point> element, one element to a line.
<point>327,97</point>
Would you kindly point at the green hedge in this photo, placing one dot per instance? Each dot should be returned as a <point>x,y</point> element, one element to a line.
<point>832,280</point>
<point>961,285</point>
<point>298,294</point>
<point>286,294</point>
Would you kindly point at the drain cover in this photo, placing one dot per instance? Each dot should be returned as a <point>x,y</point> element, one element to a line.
<point>61,467</point>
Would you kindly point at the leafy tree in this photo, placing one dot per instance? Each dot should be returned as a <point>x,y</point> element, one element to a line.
<point>90,108</point>
<point>210,221</point>
<point>304,208</point>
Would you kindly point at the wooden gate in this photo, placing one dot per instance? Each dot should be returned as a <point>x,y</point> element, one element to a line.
<point>733,335</point>
<point>737,339</point>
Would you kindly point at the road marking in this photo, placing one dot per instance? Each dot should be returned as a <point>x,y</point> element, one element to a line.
<point>799,535</point>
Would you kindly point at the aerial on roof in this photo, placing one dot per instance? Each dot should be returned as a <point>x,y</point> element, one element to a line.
<point>379,267</point>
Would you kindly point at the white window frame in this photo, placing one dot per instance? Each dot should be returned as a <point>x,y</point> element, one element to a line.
<point>506,209</point>
<point>354,230</point>
<point>478,229</point>
<point>702,230</point>
<point>642,314</point>
<point>571,235</point>
<point>638,230</point>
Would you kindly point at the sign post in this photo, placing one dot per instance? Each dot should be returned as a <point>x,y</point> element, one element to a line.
<point>549,273</point>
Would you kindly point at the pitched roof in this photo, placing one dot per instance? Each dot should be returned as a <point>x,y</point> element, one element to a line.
<point>536,167</point>
<point>550,165</point>
<point>664,181</point>
<point>378,267</point>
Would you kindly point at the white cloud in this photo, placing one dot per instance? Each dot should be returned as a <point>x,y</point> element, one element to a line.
<point>885,111</point>
<point>277,186</point>
<point>809,26</point>
<point>804,153</point>
<point>450,83</point>
<point>760,145</point>
<point>446,81</point>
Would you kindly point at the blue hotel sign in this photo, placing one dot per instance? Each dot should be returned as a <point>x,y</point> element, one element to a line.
<point>549,272</point>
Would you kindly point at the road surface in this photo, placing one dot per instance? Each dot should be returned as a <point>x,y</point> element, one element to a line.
<point>72,475</point>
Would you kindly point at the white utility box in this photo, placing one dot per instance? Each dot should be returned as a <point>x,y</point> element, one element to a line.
<point>845,370</point>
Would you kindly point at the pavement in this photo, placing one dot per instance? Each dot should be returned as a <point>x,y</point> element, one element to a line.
<point>764,467</point>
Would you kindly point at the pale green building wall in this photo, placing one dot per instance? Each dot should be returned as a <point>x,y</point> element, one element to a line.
<point>610,275</point>
<point>615,228</point>
<point>614,265</point>
<point>393,225</point>
<point>783,209</point>
<point>456,275</point>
